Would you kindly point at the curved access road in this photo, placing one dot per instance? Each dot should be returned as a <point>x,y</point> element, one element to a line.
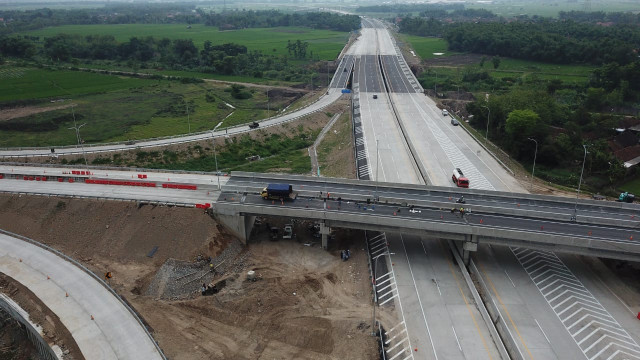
<point>325,100</point>
<point>113,333</point>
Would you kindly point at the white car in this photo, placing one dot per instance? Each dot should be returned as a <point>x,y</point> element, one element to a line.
<point>445,112</point>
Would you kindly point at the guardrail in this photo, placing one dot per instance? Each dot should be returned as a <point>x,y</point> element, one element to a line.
<point>9,306</point>
<point>504,354</point>
<point>143,143</point>
<point>430,189</point>
<point>484,147</point>
<point>95,277</point>
<point>416,164</point>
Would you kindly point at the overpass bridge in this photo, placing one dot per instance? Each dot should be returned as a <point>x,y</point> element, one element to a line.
<point>579,226</point>
<point>603,229</point>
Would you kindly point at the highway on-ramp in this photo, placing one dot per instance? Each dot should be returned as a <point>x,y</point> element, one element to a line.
<point>100,323</point>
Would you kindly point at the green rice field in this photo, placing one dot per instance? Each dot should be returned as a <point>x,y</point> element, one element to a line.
<point>324,44</point>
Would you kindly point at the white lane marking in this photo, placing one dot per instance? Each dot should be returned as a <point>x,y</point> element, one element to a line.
<point>608,288</point>
<point>509,277</point>
<point>424,316</point>
<point>456,335</point>
<point>543,333</point>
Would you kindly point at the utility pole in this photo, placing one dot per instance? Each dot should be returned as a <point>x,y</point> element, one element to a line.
<point>215,155</point>
<point>268,107</point>
<point>575,208</point>
<point>188,119</point>
<point>486,135</point>
<point>535,155</point>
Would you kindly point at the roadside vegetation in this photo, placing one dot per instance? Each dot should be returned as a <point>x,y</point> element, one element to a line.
<point>525,80</point>
<point>120,108</point>
<point>336,150</point>
<point>282,150</point>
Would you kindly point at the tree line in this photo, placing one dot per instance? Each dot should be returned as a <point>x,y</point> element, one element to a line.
<point>273,18</point>
<point>137,13</point>
<point>560,42</point>
<point>19,20</point>
<point>150,52</point>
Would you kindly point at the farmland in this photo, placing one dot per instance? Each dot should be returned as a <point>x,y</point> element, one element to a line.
<point>324,44</point>
<point>119,108</point>
<point>425,47</point>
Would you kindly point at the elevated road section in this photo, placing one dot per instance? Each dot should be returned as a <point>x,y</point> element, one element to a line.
<point>488,224</point>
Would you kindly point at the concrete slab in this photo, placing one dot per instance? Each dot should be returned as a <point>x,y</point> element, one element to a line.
<point>113,334</point>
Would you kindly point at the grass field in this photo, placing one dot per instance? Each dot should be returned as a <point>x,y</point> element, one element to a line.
<point>31,83</point>
<point>324,44</point>
<point>632,186</point>
<point>426,46</point>
<point>119,108</point>
<point>513,68</point>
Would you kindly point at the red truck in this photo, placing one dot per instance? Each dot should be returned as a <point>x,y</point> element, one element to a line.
<point>459,179</point>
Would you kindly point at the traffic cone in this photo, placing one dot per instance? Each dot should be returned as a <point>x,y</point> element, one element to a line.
<point>66,294</point>
<point>92,318</point>
<point>48,278</point>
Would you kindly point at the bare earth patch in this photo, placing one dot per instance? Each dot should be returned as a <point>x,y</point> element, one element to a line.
<point>14,113</point>
<point>305,304</point>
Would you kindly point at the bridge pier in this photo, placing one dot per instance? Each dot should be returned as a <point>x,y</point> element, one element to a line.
<point>325,231</point>
<point>238,225</point>
<point>469,245</point>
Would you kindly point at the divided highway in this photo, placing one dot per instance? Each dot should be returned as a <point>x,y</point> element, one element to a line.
<point>546,305</point>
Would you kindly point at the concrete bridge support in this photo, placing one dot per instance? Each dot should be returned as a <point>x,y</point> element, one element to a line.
<point>325,231</point>
<point>466,247</point>
<point>238,225</point>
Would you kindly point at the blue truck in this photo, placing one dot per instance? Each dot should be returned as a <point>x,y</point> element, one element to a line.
<point>279,192</point>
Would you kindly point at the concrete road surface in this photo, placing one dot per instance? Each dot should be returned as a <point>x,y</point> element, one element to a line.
<point>113,334</point>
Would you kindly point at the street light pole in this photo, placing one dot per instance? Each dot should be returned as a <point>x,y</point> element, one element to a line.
<point>188,119</point>
<point>215,155</point>
<point>535,155</point>
<point>377,167</point>
<point>375,292</point>
<point>77,129</point>
<point>575,209</point>
<point>486,135</point>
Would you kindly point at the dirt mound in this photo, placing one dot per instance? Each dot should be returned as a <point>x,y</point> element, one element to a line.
<point>304,304</point>
<point>14,343</point>
<point>88,229</point>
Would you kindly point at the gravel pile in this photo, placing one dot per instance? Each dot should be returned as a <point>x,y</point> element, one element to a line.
<point>181,279</point>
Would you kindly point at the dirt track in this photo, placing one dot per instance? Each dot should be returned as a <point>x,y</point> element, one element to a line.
<point>307,303</point>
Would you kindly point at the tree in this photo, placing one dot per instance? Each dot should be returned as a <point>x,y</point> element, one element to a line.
<point>496,61</point>
<point>520,125</point>
<point>482,61</point>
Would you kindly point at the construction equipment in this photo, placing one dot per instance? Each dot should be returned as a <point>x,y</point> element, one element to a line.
<point>274,233</point>
<point>288,232</point>
<point>626,197</point>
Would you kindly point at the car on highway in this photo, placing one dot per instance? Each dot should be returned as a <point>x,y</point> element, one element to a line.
<point>445,112</point>
<point>375,96</point>
<point>454,122</point>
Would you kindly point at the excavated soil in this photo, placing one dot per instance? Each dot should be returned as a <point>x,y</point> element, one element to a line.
<point>14,343</point>
<point>304,304</point>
